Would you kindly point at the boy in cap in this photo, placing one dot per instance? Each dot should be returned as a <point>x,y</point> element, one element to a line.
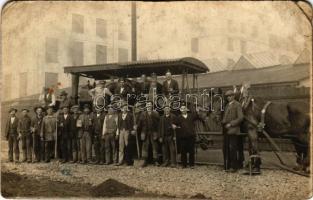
<point>24,130</point>
<point>65,134</point>
<point>12,135</point>
<point>85,125</point>
<point>108,137</point>
<point>167,137</point>
<point>48,132</point>
<point>232,118</point>
<point>36,128</point>
<point>75,139</point>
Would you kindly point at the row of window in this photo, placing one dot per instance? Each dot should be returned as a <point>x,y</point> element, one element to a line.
<point>101,27</point>
<point>76,52</point>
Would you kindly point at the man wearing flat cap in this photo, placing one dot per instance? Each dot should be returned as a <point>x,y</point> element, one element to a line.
<point>75,139</point>
<point>232,118</point>
<point>48,132</point>
<point>85,125</point>
<point>36,124</point>
<point>24,130</point>
<point>167,137</point>
<point>11,133</point>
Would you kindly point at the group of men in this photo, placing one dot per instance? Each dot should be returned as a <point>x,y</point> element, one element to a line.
<point>103,134</point>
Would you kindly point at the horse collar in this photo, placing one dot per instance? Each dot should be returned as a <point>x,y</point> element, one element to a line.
<point>263,111</point>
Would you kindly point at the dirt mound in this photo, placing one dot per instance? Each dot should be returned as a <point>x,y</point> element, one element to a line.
<point>112,188</point>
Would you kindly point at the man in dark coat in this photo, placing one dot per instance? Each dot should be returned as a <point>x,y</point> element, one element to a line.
<point>65,100</point>
<point>186,134</point>
<point>98,119</point>
<point>85,125</point>
<point>170,86</point>
<point>75,139</point>
<point>232,118</point>
<point>124,129</point>
<point>65,134</point>
<point>36,124</point>
<point>167,137</point>
<point>11,133</point>
<point>24,129</point>
<point>122,90</point>
<point>48,132</point>
<point>144,85</point>
<point>149,121</point>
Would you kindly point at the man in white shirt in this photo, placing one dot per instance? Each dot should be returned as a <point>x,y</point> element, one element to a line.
<point>99,93</point>
<point>47,98</point>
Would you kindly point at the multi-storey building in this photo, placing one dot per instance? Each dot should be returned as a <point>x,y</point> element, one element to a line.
<point>40,38</point>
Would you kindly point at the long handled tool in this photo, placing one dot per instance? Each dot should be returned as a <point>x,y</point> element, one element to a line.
<point>139,161</point>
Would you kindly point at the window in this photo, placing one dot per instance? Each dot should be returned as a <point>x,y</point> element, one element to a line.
<point>7,86</point>
<point>195,45</point>
<point>76,53</point>
<point>51,79</point>
<point>101,54</point>
<point>122,55</point>
<point>51,50</point>
<point>23,84</point>
<point>101,28</point>
<point>122,32</point>
<point>230,45</point>
<point>77,23</point>
<point>243,46</point>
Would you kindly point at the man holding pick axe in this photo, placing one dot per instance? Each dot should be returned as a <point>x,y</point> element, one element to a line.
<point>168,138</point>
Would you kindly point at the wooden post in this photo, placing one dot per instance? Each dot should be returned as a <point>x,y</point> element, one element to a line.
<point>75,83</point>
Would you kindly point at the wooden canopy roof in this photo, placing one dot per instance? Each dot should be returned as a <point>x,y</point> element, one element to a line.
<point>137,68</point>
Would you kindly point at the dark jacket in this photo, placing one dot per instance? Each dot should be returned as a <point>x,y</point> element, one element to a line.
<point>149,123</point>
<point>98,123</point>
<point>129,120</point>
<point>187,125</point>
<point>24,125</point>
<point>65,126</point>
<point>234,116</point>
<point>165,127</point>
<point>86,122</point>
<point>123,94</point>
<point>74,126</point>
<point>167,87</point>
<point>36,124</point>
<point>11,129</point>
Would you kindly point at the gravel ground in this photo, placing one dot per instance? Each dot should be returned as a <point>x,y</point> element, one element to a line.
<point>209,181</point>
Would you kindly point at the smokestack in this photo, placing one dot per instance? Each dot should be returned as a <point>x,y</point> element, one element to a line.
<point>134,31</point>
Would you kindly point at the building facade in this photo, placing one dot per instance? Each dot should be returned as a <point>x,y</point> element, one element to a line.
<point>40,38</point>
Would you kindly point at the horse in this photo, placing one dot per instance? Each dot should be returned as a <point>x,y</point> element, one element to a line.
<point>290,119</point>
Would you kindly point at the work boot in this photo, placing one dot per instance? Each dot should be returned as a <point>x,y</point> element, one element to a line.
<point>144,164</point>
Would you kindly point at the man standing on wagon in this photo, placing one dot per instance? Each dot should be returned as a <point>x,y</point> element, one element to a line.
<point>233,116</point>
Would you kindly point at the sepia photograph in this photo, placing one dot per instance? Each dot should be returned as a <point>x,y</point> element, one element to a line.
<point>156,100</point>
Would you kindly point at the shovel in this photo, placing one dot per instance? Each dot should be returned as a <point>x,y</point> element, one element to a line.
<point>138,162</point>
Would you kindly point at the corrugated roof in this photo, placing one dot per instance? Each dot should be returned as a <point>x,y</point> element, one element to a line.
<point>304,57</point>
<point>267,75</point>
<point>262,59</point>
<point>136,68</point>
<point>214,64</point>
<point>242,63</point>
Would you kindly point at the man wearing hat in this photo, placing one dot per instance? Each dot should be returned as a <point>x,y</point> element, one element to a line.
<point>11,133</point>
<point>65,134</point>
<point>85,125</point>
<point>48,132</point>
<point>98,119</point>
<point>36,128</point>
<point>65,100</point>
<point>149,120</point>
<point>100,94</point>
<point>124,128</point>
<point>167,137</point>
<point>47,97</point>
<point>25,136</point>
<point>122,89</point>
<point>170,86</point>
<point>186,135</point>
<point>74,131</point>
<point>108,137</point>
<point>232,118</point>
